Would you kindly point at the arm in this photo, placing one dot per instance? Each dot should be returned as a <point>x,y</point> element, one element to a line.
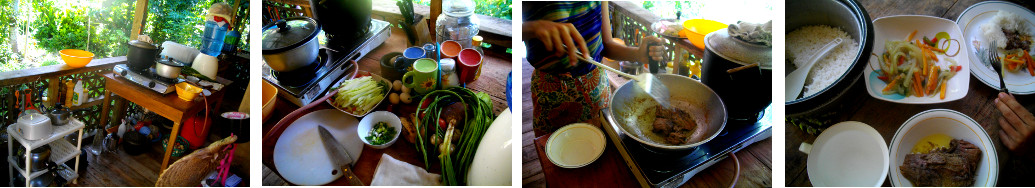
<point>617,51</point>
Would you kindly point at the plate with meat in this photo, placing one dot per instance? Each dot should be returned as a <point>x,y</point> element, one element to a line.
<point>942,147</point>
<point>1012,28</point>
<point>697,114</point>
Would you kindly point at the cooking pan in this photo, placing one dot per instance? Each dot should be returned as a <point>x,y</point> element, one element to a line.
<point>632,109</point>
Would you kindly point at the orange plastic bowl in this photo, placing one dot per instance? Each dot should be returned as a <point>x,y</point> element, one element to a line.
<point>696,29</point>
<point>76,58</point>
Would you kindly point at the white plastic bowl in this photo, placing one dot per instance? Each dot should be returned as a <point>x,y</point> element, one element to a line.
<point>951,123</point>
<point>379,116</point>
<point>575,145</point>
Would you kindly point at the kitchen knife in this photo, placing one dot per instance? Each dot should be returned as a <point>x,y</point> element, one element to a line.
<point>340,157</point>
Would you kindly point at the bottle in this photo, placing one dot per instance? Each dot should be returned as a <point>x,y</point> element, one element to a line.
<point>457,22</point>
<point>69,89</point>
<point>78,97</point>
<point>476,43</point>
<point>216,24</point>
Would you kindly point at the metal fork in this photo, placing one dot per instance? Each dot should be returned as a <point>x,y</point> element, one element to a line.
<point>997,65</point>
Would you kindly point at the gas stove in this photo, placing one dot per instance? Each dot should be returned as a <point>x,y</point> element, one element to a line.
<point>147,78</point>
<point>307,84</point>
<point>653,168</point>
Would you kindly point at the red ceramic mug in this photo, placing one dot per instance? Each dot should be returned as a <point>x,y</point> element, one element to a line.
<point>470,65</point>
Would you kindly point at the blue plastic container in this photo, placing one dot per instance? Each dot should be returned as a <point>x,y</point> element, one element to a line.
<point>212,38</point>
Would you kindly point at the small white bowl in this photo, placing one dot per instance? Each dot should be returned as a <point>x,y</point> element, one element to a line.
<point>951,123</point>
<point>575,145</point>
<point>379,116</point>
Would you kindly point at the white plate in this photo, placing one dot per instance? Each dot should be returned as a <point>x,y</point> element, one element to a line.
<point>575,145</point>
<point>300,156</point>
<point>970,21</point>
<point>953,124</point>
<point>848,145</point>
<point>898,28</point>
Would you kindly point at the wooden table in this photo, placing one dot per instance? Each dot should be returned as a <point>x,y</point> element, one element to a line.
<point>493,81</point>
<point>755,160</point>
<point>978,104</point>
<point>169,106</point>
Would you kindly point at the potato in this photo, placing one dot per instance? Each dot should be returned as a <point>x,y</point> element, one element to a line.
<point>393,98</point>
<point>397,85</point>
<point>405,89</point>
<point>405,97</point>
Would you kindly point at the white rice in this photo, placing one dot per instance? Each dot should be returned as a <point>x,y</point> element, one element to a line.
<point>993,30</point>
<point>808,40</point>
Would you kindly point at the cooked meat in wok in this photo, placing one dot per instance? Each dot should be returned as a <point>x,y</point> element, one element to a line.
<point>954,166</point>
<point>675,125</point>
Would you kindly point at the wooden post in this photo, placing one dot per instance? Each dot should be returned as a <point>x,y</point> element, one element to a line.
<point>436,9</point>
<point>139,16</point>
<point>53,91</point>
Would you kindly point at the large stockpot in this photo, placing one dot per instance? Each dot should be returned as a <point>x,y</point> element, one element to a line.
<point>141,55</point>
<point>629,101</point>
<point>853,19</point>
<point>291,43</point>
<point>346,19</point>
<point>747,91</point>
<point>38,158</point>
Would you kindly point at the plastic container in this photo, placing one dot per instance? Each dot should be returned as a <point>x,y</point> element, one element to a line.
<point>213,36</point>
<point>78,96</point>
<point>457,22</point>
<point>449,77</point>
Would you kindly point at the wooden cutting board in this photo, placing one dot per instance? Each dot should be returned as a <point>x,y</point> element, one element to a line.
<point>607,171</point>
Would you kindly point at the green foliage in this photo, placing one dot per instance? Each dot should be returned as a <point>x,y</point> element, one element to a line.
<point>494,8</point>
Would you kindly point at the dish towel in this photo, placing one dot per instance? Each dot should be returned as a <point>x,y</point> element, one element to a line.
<point>391,171</point>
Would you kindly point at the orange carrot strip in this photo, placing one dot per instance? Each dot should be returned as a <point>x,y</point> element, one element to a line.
<point>943,88</point>
<point>911,35</point>
<point>892,84</point>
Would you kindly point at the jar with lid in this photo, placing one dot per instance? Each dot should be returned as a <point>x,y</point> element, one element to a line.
<point>457,22</point>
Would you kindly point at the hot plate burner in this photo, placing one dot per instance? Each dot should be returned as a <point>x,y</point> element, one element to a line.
<point>302,76</point>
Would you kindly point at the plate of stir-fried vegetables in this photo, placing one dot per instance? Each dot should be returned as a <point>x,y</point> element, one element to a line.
<point>917,60</point>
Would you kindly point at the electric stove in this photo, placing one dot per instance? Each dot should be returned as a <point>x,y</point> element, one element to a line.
<point>306,84</point>
<point>656,168</point>
<point>147,78</point>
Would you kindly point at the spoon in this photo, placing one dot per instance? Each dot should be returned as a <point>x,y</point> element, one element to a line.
<point>796,80</point>
<point>647,81</point>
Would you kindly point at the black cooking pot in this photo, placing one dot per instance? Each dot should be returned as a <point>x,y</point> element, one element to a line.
<point>135,143</point>
<point>745,92</point>
<point>853,19</point>
<point>347,19</point>
<point>142,55</point>
<point>38,158</point>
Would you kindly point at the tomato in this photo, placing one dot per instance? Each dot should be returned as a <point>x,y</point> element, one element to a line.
<point>441,123</point>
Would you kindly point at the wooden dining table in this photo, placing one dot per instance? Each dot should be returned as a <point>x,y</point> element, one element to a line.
<point>493,81</point>
<point>886,117</point>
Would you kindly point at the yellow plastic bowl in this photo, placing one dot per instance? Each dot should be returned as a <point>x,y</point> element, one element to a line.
<point>269,97</point>
<point>696,29</point>
<point>186,91</point>
<point>76,58</point>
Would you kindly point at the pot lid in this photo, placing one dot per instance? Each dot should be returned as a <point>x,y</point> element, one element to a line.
<point>289,33</point>
<point>142,44</point>
<point>721,43</point>
<point>171,62</point>
<point>848,145</point>
<point>33,118</point>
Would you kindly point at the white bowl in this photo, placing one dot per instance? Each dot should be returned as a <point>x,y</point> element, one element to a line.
<point>898,28</point>
<point>379,116</point>
<point>575,145</point>
<point>953,124</point>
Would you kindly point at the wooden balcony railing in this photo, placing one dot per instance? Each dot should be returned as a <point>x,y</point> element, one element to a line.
<point>45,82</point>
<point>630,23</point>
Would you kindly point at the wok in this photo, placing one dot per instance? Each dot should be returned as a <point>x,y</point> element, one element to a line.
<point>631,108</point>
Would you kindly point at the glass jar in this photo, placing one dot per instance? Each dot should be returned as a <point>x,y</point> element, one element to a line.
<point>457,22</point>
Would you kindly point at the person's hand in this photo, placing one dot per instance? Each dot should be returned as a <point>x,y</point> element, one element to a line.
<point>560,38</point>
<point>652,46</point>
<point>1016,123</point>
